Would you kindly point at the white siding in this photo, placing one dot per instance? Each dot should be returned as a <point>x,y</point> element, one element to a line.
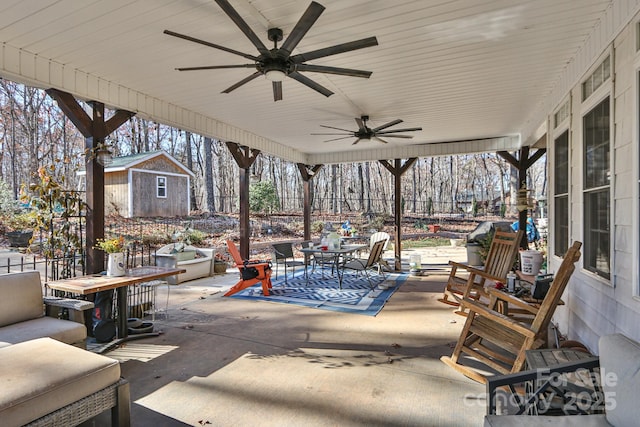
<point>593,306</point>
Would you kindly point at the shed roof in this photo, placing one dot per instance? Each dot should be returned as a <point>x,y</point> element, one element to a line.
<point>121,163</point>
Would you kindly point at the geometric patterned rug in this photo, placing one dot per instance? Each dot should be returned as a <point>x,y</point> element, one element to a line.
<point>320,290</point>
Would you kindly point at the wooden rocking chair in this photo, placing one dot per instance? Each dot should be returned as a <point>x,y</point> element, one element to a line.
<point>500,341</point>
<point>500,259</point>
<point>251,272</point>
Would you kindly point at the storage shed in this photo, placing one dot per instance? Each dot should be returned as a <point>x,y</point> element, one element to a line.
<point>151,184</point>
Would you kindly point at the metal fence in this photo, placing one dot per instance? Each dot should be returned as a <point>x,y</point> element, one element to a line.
<point>350,204</point>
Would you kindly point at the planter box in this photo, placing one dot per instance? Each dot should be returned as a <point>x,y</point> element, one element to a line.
<point>185,255</point>
<point>195,267</point>
<point>434,228</point>
<point>219,267</point>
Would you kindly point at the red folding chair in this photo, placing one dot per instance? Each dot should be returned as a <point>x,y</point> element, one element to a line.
<point>251,272</point>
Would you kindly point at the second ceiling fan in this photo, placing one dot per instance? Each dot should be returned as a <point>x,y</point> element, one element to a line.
<point>365,132</point>
<point>276,64</point>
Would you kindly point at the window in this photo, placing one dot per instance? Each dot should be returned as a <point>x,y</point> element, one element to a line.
<point>595,80</point>
<point>161,186</point>
<point>561,115</point>
<point>561,194</point>
<point>596,124</point>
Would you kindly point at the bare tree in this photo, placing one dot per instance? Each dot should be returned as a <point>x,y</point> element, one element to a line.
<point>208,174</point>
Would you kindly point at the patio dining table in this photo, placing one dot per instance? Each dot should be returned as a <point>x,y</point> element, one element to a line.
<point>339,257</point>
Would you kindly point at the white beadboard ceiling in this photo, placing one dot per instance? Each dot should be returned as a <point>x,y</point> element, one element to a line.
<point>476,75</point>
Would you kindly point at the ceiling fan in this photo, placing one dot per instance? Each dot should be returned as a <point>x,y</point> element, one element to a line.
<point>365,132</point>
<point>277,63</point>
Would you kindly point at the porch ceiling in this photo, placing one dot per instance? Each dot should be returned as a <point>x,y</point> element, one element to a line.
<point>476,75</point>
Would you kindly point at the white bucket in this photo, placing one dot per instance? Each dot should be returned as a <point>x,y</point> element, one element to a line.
<point>473,254</point>
<point>530,262</point>
<point>415,262</point>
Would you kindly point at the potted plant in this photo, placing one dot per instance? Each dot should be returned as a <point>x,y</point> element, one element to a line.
<point>182,249</point>
<point>115,249</point>
<point>434,228</point>
<point>220,262</point>
<point>20,229</point>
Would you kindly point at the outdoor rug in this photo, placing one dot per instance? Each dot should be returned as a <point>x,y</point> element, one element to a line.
<point>323,292</point>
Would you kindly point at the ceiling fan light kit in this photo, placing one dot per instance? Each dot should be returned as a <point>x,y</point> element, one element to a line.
<point>275,75</point>
<point>278,63</point>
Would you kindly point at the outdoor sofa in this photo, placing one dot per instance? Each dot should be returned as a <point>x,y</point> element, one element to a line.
<point>48,378</point>
<point>49,383</point>
<point>22,312</point>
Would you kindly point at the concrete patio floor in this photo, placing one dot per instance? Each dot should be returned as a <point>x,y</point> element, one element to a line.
<point>358,370</point>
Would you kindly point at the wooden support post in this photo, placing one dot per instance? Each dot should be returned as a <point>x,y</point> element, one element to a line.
<point>307,173</point>
<point>95,129</point>
<point>398,169</point>
<point>523,162</point>
<point>244,157</point>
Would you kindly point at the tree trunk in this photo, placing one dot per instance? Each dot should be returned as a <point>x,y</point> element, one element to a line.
<point>334,188</point>
<point>208,174</point>
<point>188,150</point>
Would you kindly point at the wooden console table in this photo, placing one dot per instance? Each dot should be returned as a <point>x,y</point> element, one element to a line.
<point>93,283</point>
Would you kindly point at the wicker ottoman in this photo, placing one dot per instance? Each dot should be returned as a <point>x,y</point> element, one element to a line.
<point>46,382</point>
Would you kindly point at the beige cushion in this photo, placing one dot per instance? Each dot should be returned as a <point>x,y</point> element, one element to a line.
<point>43,375</point>
<point>620,365</point>
<point>21,297</point>
<point>58,329</point>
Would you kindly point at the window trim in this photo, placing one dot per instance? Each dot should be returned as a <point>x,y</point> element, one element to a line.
<point>557,134</point>
<point>559,126</point>
<point>635,149</point>
<point>159,186</point>
<point>598,66</point>
<point>603,92</point>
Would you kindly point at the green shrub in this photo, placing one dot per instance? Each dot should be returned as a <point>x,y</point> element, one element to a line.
<point>263,197</point>
<point>156,239</point>
<point>21,221</point>
<point>485,245</point>
<point>377,222</point>
<point>195,237</point>
<point>317,227</point>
